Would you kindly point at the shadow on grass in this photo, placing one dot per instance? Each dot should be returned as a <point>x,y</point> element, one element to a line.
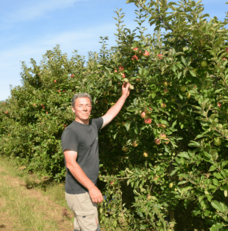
<point>31,182</point>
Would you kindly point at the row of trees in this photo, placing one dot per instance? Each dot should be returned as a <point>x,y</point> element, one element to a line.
<point>164,163</point>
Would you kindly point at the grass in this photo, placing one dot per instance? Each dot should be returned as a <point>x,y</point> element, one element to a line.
<point>29,204</point>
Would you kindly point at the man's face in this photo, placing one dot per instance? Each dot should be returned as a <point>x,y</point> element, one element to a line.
<point>82,108</point>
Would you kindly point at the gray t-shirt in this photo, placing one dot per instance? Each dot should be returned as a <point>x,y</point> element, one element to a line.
<point>82,138</point>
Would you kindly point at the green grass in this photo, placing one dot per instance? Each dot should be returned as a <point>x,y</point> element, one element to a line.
<point>30,203</point>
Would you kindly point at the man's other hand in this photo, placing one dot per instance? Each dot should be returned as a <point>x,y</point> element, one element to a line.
<point>95,195</point>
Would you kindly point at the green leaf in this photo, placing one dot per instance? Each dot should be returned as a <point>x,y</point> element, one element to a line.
<point>174,171</point>
<point>216,227</point>
<point>184,154</point>
<point>217,206</point>
<point>212,168</point>
<point>192,73</point>
<point>194,144</point>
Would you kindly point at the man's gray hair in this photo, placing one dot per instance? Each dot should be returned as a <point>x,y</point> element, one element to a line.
<point>80,95</point>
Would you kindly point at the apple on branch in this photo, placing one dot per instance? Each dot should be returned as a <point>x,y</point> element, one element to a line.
<point>148,120</point>
<point>146,53</point>
<point>160,56</point>
<point>134,57</point>
<point>121,68</point>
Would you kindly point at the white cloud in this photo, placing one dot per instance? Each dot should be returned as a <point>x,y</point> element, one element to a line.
<point>38,8</point>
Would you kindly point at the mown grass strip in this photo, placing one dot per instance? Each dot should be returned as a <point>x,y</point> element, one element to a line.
<point>29,208</point>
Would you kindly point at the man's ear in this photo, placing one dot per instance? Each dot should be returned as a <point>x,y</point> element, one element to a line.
<point>73,109</point>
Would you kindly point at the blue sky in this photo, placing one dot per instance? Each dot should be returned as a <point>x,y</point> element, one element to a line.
<point>29,28</point>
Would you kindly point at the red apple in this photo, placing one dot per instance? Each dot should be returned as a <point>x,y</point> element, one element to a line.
<point>135,49</point>
<point>157,141</point>
<point>219,104</point>
<point>6,112</point>
<point>72,76</point>
<point>123,75</point>
<point>63,91</point>
<point>138,80</point>
<point>167,141</point>
<point>134,57</point>
<point>160,56</point>
<point>227,49</point>
<point>55,81</point>
<point>163,136</point>
<point>121,68</point>
<point>143,114</point>
<point>43,106</point>
<point>148,120</point>
<point>47,112</point>
<point>146,53</point>
<point>4,103</point>
<point>59,90</point>
<point>115,71</point>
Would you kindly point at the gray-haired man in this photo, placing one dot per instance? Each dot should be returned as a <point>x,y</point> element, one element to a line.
<point>80,147</point>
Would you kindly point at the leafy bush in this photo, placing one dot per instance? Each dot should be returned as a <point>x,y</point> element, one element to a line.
<point>163,158</point>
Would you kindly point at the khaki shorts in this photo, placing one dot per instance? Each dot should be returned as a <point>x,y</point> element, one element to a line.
<point>86,215</point>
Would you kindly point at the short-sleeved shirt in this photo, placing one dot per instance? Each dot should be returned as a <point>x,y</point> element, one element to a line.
<point>83,139</point>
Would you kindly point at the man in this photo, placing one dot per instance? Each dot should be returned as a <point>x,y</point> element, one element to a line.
<point>80,148</point>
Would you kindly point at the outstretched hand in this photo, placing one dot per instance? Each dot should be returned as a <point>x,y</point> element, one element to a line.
<point>126,89</point>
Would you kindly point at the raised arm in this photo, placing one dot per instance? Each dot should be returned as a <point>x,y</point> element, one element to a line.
<point>115,109</point>
<point>80,176</point>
